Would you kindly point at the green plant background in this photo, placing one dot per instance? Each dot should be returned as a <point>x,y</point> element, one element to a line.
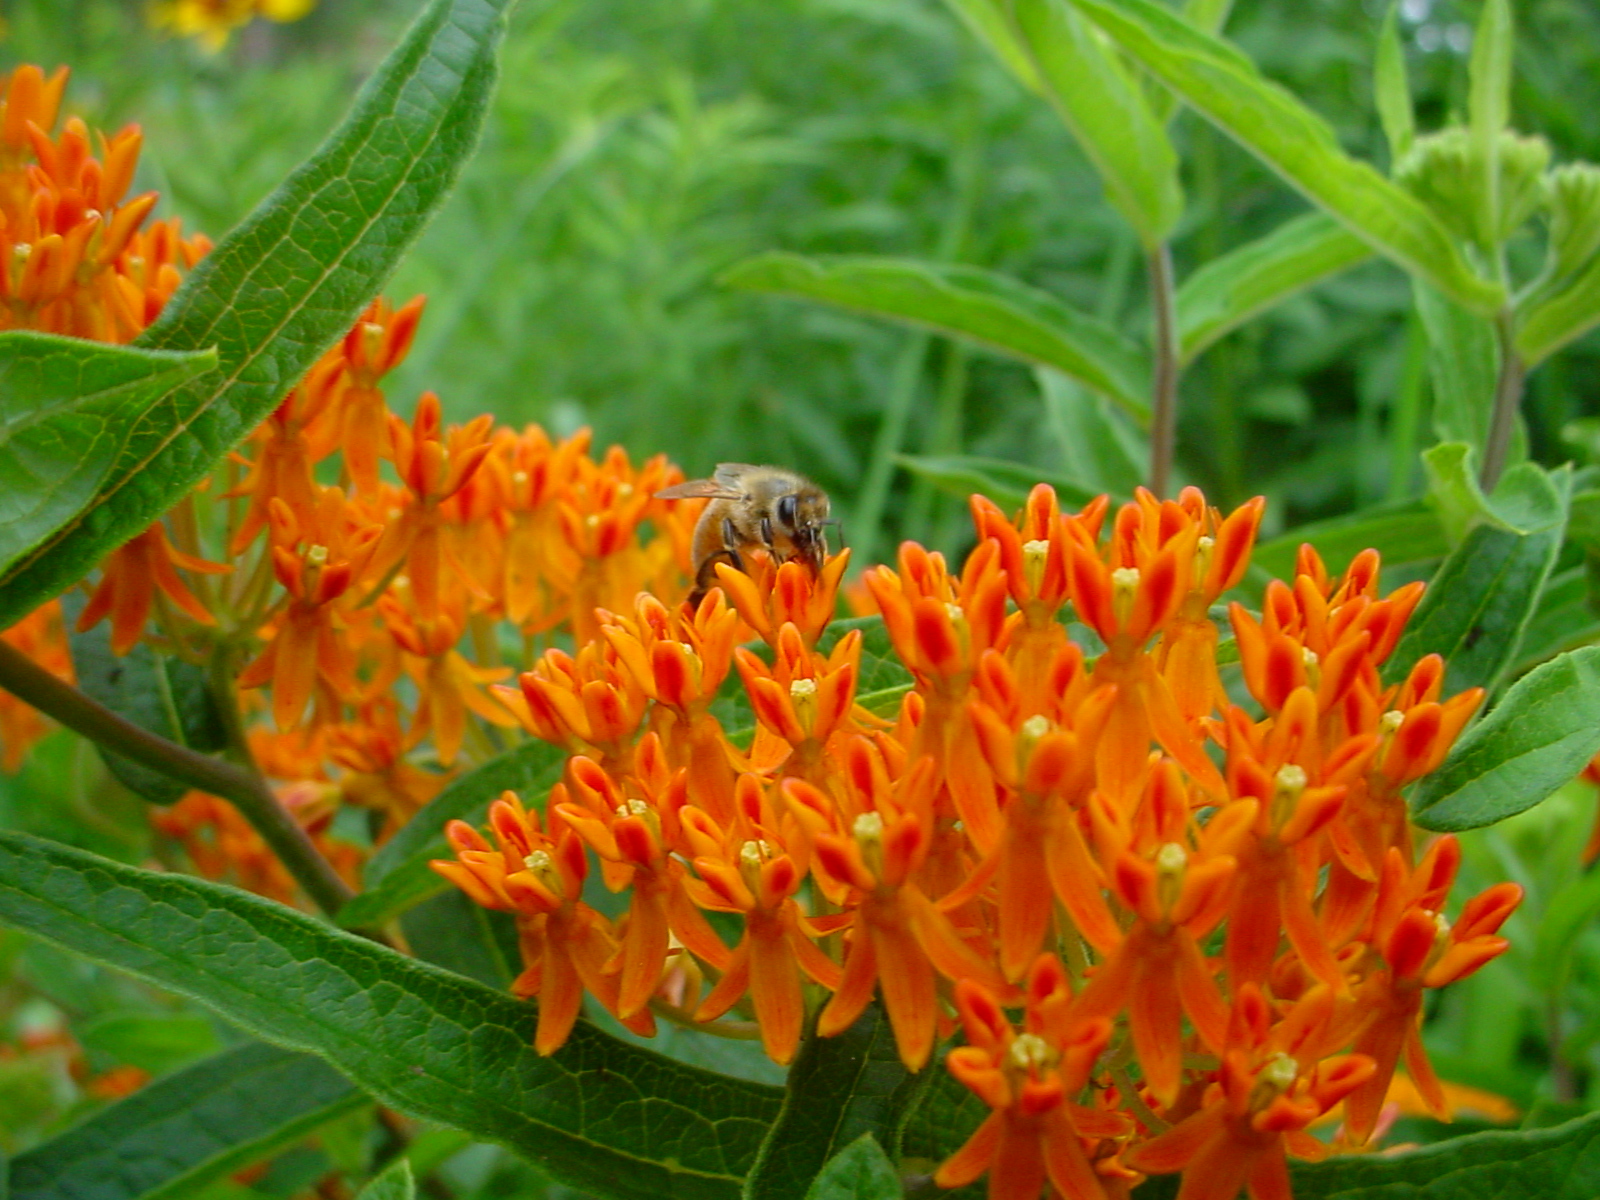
<point>638,149</point>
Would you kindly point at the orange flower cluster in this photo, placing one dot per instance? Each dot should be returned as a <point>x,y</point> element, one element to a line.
<point>213,21</point>
<point>1213,915</point>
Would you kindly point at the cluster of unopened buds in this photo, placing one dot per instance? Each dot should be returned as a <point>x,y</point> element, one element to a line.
<point>1174,927</point>
<point>1227,898</point>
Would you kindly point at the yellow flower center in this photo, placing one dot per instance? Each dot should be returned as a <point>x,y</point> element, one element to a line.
<point>803,697</point>
<point>868,832</point>
<point>1030,1052</point>
<point>1124,589</point>
<point>1288,785</point>
<point>1273,1080</point>
<point>1172,863</point>
<point>1035,555</point>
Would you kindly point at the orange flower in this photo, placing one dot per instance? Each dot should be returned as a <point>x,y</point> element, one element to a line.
<point>376,344</point>
<point>899,938</point>
<point>746,870</point>
<point>41,635</point>
<point>448,685</point>
<point>801,702</point>
<point>635,838</point>
<point>1036,1131</point>
<point>1176,895</point>
<point>565,943</point>
<point>1273,1083</point>
<point>129,580</point>
<point>793,594</point>
<point>1416,948</point>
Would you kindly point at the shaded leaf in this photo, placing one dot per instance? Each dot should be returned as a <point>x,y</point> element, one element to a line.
<point>1463,363</point>
<point>452,932</point>
<point>1098,447</point>
<point>969,302</point>
<point>1105,107</point>
<point>1555,320</point>
<point>287,283</point>
<point>153,1042</point>
<point>840,1090</point>
<point>164,695</point>
<point>1565,618</point>
<point>861,1171</point>
<point>1537,738</point>
<point>989,24</point>
<point>1486,592</point>
<point>598,1115</point>
<point>174,1136</point>
<point>397,876</point>
<point>67,410</point>
<point>1392,90</point>
<point>1248,280</point>
<point>1224,86</point>
<point>1489,107</point>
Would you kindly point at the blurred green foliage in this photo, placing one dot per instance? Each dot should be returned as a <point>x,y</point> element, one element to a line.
<point>638,149</point>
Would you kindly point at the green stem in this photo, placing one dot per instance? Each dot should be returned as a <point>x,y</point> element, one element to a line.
<point>1507,400</point>
<point>243,788</point>
<point>1164,387</point>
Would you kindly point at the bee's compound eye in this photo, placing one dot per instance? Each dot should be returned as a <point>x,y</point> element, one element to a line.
<point>786,510</point>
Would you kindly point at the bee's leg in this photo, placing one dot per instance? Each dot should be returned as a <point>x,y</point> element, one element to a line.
<point>730,543</point>
<point>766,532</point>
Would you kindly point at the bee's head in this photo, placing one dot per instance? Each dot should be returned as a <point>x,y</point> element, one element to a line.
<point>801,515</point>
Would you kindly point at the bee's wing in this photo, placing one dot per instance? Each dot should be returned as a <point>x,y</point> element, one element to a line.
<point>730,474</point>
<point>698,489</point>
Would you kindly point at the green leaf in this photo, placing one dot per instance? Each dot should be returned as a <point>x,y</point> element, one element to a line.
<point>598,1115</point>
<point>1541,734</point>
<point>1402,533</point>
<point>1564,618</point>
<point>165,695</point>
<point>840,1090</point>
<point>1551,323</point>
<point>67,410</point>
<point>201,1124</point>
<point>1489,109</point>
<point>1453,490</point>
<point>1567,915</point>
<point>1248,280</point>
<point>1392,89</point>
<point>1006,483</point>
<point>287,283</point>
<point>451,931</point>
<point>861,1171</point>
<point>883,678</point>
<point>990,25</point>
<point>153,1042</point>
<point>1483,596</point>
<point>968,302</point>
<point>395,1183</point>
<point>398,875</point>
<point>1225,87</point>
<point>1105,107</point>
<point>1553,1164</point>
<point>1463,362</point>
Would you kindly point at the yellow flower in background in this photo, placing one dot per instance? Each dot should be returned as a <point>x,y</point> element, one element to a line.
<point>212,21</point>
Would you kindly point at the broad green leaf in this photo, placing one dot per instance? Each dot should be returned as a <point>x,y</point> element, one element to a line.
<point>1483,596</point>
<point>1248,280</point>
<point>1392,89</point>
<point>1006,483</point>
<point>395,1183</point>
<point>1105,107</point>
<point>1402,533</point>
<point>1225,87</point>
<point>165,695</point>
<point>1551,323</point>
<point>598,1115</point>
<point>67,410</point>
<point>1538,737</point>
<point>1489,108</point>
<point>1097,446</point>
<point>1583,524</point>
<point>174,1136</point>
<point>988,21</point>
<point>936,1122</point>
<point>1463,361</point>
<point>968,302</point>
<point>840,1089</point>
<point>398,875</point>
<point>287,283</point>
<point>1553,1164</point>
<point>861,1171</point>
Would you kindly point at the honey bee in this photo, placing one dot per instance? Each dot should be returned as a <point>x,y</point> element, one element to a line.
<point>765,508</point>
